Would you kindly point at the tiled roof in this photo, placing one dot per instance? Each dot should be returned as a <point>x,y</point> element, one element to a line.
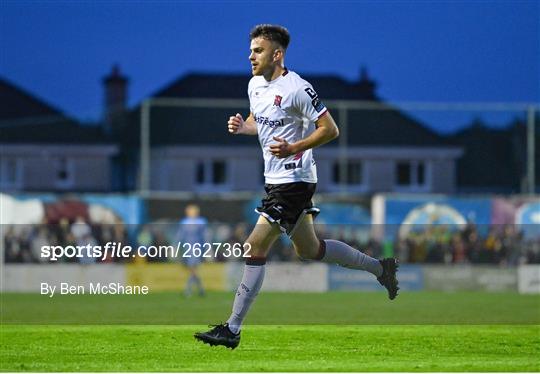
<point>235,86</point>
<point>26,119</point>
<point>17,103</point>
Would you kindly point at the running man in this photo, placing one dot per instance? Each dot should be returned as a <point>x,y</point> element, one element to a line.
<point>290,120</point>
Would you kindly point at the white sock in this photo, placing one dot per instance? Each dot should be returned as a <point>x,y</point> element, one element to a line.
<point>336,252</point>
<point>246,293</point>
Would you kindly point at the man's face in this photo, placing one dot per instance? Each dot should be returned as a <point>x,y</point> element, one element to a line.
<point>262,56</point>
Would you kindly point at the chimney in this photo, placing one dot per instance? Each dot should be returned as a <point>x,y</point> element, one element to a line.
<point>366,85</point>
<point>115,85</point>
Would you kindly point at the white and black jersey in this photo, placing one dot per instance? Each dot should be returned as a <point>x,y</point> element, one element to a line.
<point>286,107</point>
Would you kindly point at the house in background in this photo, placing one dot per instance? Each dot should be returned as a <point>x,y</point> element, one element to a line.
<point>42,149</point>
<point>495,160</point>
<point>387,151</point>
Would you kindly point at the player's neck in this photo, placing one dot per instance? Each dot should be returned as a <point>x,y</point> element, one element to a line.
<point>279,70</point>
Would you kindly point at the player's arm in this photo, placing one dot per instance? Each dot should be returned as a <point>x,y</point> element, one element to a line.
<point>237,125</point>
<point>326,131</point>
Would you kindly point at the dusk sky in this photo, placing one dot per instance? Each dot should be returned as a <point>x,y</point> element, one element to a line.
<point>433,51</point>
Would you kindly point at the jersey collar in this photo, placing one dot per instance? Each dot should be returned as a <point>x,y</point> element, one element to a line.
<point>278,78</point>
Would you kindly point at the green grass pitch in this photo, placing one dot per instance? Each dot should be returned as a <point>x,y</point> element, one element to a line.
<point>338,331</point>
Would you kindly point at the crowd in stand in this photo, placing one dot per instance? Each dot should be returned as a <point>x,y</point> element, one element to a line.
<point>502,245</point>
<point>24,243</point>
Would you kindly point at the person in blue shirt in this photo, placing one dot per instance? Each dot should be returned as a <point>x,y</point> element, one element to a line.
<point>192,233</point>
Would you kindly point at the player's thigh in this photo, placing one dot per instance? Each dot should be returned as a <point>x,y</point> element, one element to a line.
<point>305,241</point>
<point>262,237</point>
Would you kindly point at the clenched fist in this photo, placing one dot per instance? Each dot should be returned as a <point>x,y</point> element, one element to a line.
<point>282,148</point>
<point>236,124</point>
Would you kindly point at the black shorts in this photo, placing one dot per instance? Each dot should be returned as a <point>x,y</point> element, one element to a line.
<point>286,203</point>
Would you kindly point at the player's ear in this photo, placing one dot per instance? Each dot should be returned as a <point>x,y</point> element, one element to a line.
<point>278,54</point>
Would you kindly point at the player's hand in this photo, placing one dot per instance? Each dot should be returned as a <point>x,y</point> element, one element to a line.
<point>236,124</point>
<point>282,148</point>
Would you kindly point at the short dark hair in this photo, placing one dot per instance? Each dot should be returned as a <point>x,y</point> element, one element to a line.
<point>274,33</point>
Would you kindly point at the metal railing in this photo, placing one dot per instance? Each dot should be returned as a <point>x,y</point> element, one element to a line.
<point>343,107</point>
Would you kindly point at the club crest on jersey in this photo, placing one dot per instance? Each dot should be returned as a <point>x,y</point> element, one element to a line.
<point>277,101</point>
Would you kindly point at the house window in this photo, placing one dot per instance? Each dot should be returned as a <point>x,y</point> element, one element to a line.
<point>411,175</point>
<point>64,173</point>
<point>219,172</point>
<point>353,174</point>
<point>403,173</point>
<point>10,172</point>
<point>420,171</point>
<point>211,173</point>
<point>200,173</point>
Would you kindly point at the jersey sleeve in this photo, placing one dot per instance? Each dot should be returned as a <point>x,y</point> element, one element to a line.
<point>249,90</point>
<point>307,103</point>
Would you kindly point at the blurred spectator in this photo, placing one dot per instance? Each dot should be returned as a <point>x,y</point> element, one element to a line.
<point>192,234</point>
<point>86,259</point>
<point>80,229</point>
<point>458,254</point>
<point>41,238</point>
<point>145,238</point>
